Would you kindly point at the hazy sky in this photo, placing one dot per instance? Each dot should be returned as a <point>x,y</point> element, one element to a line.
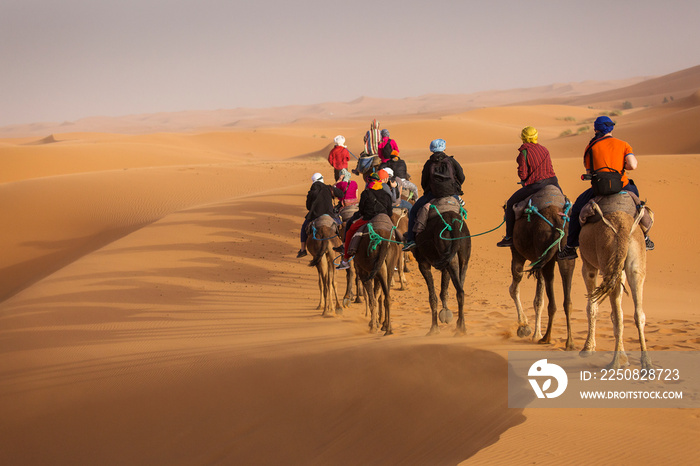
<point>67,59</point>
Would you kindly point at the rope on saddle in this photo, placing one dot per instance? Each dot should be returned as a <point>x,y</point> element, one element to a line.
<point>313,231</point>
<point>596,207</point>
<point>461,220</point>
<point>533,210</point>
<point>375,238</point>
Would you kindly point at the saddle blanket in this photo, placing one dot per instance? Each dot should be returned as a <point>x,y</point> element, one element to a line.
<point>443,204</point>
<point>322,221</point>
<point>624,201</point>
<point>545,197</point>
<point>348,211</point>
<point>378,222</point>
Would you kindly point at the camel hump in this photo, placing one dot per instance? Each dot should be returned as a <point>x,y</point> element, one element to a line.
<point>545,197</point>
<point>624,201</point>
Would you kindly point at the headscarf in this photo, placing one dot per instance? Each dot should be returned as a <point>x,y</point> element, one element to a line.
<point>316,177</point>
<point>385,133</point>
<point>344,175</point>
<point>529,134</point>
<point>373,182</point>
<point>603,125</point>
<point>339,140</point>
<point>438,145</point>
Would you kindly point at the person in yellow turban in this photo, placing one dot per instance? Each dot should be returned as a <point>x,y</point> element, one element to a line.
<point>535,171</point>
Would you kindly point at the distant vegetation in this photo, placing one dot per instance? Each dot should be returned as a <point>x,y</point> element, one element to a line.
<point>584,126</point>
<point>626,105</point>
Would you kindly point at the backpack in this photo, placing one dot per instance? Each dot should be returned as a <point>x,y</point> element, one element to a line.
<point>387,150</point>
<point>442,177</point>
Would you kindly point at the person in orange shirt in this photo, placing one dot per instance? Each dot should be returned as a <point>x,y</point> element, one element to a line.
<point>605,153</point>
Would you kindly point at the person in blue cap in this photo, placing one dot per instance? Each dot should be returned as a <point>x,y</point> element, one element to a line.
<point>609,154</point>
<point>436,182</point>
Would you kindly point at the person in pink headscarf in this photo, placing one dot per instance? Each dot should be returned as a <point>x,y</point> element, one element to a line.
<point>387,147</point>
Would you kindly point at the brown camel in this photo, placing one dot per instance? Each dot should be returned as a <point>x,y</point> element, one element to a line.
<point>352,282</point>
<point>445,244</point>
<point>534,239</point>
<point>614,246</point>
<point>400,219</point>
<point>374,263</point>
<point>320,244</point>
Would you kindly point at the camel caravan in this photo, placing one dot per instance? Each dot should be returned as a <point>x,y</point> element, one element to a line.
<point>372,233</point>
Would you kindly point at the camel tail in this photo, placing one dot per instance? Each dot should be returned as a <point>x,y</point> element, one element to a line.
<point>320,253</point>
<point>383,252</point>
<point>612,274</point>
<point>449,251</point>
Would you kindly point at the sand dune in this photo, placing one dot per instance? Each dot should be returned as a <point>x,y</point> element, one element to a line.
<point>152,309</point>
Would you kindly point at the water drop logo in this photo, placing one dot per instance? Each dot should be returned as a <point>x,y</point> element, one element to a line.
<point>542,369</point>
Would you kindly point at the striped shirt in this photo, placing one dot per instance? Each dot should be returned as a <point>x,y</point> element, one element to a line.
<point>534,163</point>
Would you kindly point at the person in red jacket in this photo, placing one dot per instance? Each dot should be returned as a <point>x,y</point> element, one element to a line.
<point>339,156</point>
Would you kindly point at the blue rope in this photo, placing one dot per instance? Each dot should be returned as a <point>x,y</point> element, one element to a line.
<point>313,231</point>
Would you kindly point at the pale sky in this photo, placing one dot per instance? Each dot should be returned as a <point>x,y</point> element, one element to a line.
<point>67,59</point>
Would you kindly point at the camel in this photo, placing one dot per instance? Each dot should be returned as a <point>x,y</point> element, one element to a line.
<point>320,244</point>
<point>374,263</point>
<point>535,236</point>
<point>444,244</point>
<point>352,282</point>
<point>614,246</point>
<point>400,219</point>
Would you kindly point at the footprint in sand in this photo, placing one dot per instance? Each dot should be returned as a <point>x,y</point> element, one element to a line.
<point>672,331</point>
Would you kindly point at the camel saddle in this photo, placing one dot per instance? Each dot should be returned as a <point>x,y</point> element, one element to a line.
<point>545,197</point>
<point>378,222</point>
<point>624,201</point>
<point>322,221</point>
<point>348,211</point>
<point>442,204</point>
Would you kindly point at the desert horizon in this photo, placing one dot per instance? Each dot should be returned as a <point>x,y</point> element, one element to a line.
<point>153,310</point>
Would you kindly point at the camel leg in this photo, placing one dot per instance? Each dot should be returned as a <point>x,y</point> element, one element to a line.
<point>590,278</point>
<point>372,304</point>
<point>349,280</point>
<point>636,273</point>
<point>321,301</point>
<point>445,314</point>
<point>384,281</point>
<point>334,290</point>
<point>538,304</point>
<point>402,273</point>
<point>359,286</point>
<point>516,270</point>
<point>428,276</point>
<point>619,357</point>
<point>379,297</point>
<point>548,276</point>
<point>455,276</point>
<point>323,304</point>
<point>566,270</point>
